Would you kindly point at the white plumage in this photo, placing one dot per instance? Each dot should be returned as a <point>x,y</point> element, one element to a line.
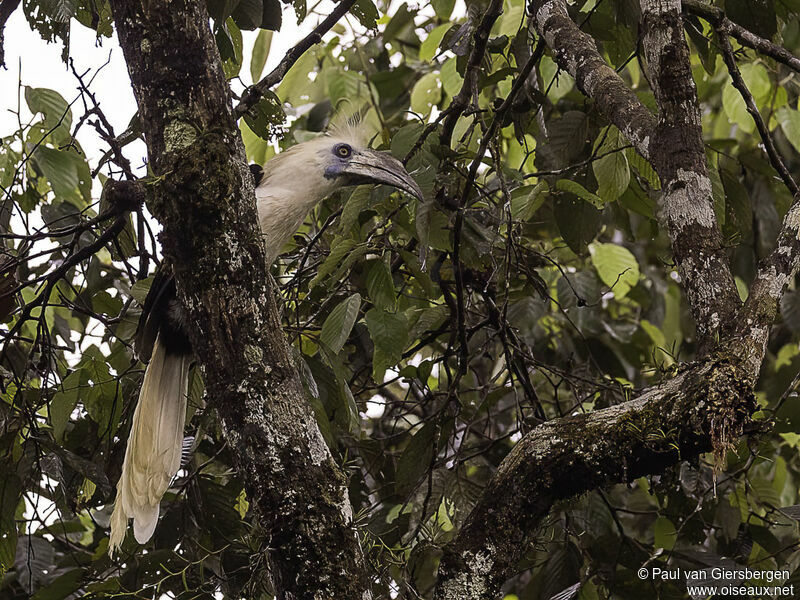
<point>294,182</point>
<point>153,454</point>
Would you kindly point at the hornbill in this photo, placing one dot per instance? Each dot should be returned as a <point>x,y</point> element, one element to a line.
<point>287,188</point>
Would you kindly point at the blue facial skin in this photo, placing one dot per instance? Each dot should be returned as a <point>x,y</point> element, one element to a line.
<point>341,156</point>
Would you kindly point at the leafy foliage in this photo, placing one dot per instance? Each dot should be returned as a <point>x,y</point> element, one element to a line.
<point>387,303</point>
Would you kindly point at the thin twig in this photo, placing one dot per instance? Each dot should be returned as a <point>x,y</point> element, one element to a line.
<point>738,82</point>
<point>254,93</point>
<point>744,36</point>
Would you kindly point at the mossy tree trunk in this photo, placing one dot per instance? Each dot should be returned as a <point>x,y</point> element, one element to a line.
<point>203,197</point>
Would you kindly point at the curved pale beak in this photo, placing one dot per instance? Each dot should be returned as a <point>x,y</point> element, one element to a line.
<point>371,166</point>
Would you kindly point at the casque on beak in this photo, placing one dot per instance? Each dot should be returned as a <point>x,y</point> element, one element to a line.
<point>371,166</point>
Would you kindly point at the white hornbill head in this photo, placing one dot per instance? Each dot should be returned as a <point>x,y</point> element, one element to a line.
<point>319,166</point>
<point>294,181</point>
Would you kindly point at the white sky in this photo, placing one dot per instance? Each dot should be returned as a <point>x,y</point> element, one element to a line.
<point>41,66</point>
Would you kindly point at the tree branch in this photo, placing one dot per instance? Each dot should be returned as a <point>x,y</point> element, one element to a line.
<point>738,82</point>
<point>576,53</point>
<point>705,407</point>
<point>679,159</point>
<point>744,36</point>
<point>204,199</point>
<point>7,7</point>
<point>255,92</point>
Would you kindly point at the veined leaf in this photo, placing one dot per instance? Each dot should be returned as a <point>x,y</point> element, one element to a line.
<point>616,266</point>
<point>339,323</point>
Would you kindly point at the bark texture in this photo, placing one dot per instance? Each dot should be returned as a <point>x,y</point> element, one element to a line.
<point>203,197</point>
<point>751,334</point>
<point>704,407</point>
<point>679,159</point>
<point>576,53</point>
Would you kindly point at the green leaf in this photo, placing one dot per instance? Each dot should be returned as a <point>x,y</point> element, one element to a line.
<point>101,395</point>
<point>10,495</point>
<point>35,562</point>
<point>65,400</point>
<point>340,248</point>
<point>260,54</point>
<point>380,286</point>
<point>389,332</point>
<point>366,13</point>
<point>345,409</point>
<point>429,46</point>
<point>790,310</point>
<point>611,170</point>
<point>789,119</point>
<point>358,201</point>
<point>296,82</point>
<point>757,16</point>
<point>60,167</point>
<point>578,222</point>
<point>426,93</point>
<point>258,149</point>
<point>664,533</point>
<point>527,199</point>
<point>63,586</point>
<point>616,266</point>
<point>300,9</point>
<point>643,167</point>
<point>336,328</point>
<point>405,138</point>
<point>348,86</point>
<point>248,14</point>
<point>416,459</point>
<point>558,83</point>
<point>231,45</point>
<point>443,8</point>
<point>59,10</point>
<point>140,289</point>
<point>573,187</point>
<point>757,79</point>
<point>717,192</point>
<point>51,105</point>
<point>451,79</point>
<point>265,116</point>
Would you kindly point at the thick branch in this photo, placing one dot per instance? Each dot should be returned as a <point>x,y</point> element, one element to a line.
<point>7,7</point>
<point>679,158</point>
<point>753,324</point>
<point>744,36</point>
<point>705,407</point>
<point>576,53</point>
<point>203,197</point>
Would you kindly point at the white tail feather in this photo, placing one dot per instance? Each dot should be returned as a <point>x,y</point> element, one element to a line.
<point>153,455</point>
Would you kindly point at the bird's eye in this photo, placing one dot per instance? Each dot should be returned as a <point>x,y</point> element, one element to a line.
<point>343,151</point>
